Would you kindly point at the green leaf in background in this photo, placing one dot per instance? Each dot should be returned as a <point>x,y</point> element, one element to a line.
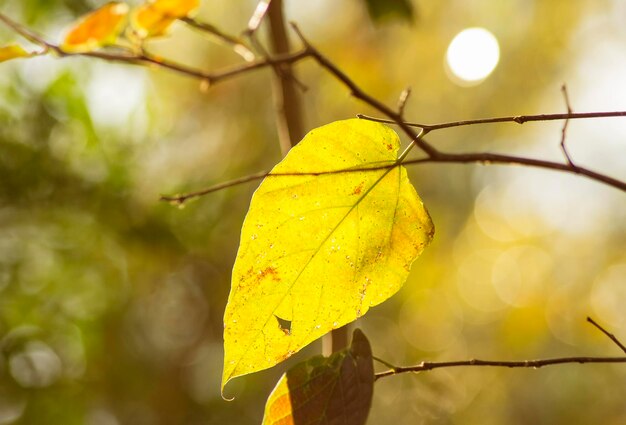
<point>383,10</point>
<point>325,390</point>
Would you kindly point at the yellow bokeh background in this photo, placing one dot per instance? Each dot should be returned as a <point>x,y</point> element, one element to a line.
<point>111,302</point>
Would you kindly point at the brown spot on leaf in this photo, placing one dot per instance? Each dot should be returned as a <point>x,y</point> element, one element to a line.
<point>357,190</point>
<point>389,147</point>
<point>269,271</point>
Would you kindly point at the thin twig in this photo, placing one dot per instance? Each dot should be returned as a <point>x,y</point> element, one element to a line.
<point>144,58</point>
<point>384,362</point>
<point>287,102</point>
<point>404,96</point>
<point>607,333</point>
<point>535,364</point>
<point>257,17</point>
<point>433,155</point>
<point>485,158</point>
<point>565,124</point>
<point>238,46</point>
<point>358,93</point>
<point>181,199</point>
<point>519,119</point>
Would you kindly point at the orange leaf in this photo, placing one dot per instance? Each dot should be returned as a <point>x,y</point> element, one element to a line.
<point>154,18</point>
<point>146,22</point>
<point>97,29</point>
<point>13,51</point>
<point>325,390</point>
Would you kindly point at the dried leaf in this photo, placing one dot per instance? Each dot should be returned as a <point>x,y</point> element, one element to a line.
<point>97,29</point>
<point>13,51</point>
<point>325,391</point>
<point>317,251</point>
<point>154,18</point>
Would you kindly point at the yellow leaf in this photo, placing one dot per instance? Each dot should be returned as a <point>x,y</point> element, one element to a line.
<point>154,18</point>
<point>13,51</point>
<point>175,8</point>
<point>317,251</point>
<point>325,390</point>
<point>99,28</point>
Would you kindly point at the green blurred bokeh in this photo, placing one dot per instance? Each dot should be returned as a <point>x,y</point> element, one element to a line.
<point>111,302</point>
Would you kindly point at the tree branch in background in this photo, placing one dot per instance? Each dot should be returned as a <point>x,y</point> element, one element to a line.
<point>519,119</point>
<point>607,333</point>
<point>237,44</point>
<point>565,124</point>
<point>144,58</point>
<point>534,364</point>
<point>286,97</point>
<point>257,17</point>
<point>485,158</point>
<point>394,117</point>
<point>356,92</point>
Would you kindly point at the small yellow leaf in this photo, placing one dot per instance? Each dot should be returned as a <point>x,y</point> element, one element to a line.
<point>175,8</point>
<point>154,18</point>
<point>13,51</point>
<point>99,28</point>
<point>319,248</point>
<point>325,390</point>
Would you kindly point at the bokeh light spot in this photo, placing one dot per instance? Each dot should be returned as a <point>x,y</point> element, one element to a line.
<point>472,55</point>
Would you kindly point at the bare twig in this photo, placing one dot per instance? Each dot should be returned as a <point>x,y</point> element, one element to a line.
<point>286,96</point>
<point>433,155</point>
<point>607,333</point>
<point>238,46</point>
<point>181,199</point>
<point>485,158</point>
<point>519,119</point>
<point>362,95</point>
<point>534,364</point>
<point>257,17</point>
<point>404,96</point>
<point>565,124</point>
<point>144,58</point>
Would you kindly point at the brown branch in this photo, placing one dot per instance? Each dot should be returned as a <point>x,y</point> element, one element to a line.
<point>286,96</point>
<point>181,199</point>
<point>404,96</point>
<point>519,119</point>
<point>433,155</point>
<point>485,158</point>
<point>357,93</point>
<point>534,364</point>
<point>144,58</point>
<point>607,333</point>
<point>565,124</point>
<point>257,17</point>
<point>237,44</point>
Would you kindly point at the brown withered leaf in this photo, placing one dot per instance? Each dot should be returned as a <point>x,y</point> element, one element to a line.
<point>335,390</point>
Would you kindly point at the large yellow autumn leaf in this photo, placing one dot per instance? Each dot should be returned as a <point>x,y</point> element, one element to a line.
<point>318,250</point>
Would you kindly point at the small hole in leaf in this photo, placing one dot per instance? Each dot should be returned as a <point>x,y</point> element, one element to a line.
<point>284,325</point>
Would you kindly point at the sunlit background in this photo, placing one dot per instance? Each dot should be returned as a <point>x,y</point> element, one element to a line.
<point>111,302</point>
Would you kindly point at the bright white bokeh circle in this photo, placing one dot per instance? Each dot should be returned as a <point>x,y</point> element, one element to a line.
<point>472,55</point>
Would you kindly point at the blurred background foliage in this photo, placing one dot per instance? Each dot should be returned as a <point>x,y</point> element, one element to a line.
<point>111,301</point>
